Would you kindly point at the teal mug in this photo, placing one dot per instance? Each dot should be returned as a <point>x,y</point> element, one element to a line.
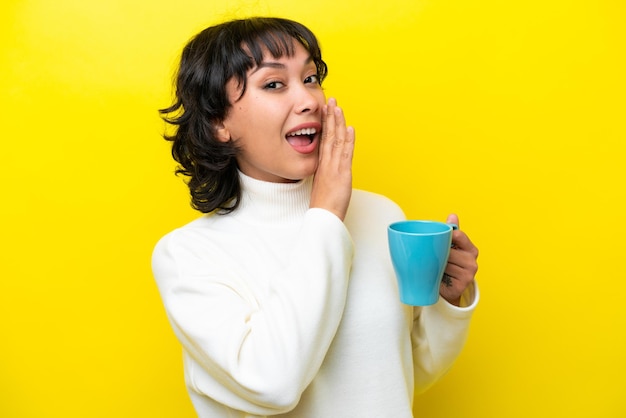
<point>419,254</point>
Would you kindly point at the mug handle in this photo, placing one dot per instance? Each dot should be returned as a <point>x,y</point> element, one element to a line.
<point>446,279</point>
<point>454,228</point>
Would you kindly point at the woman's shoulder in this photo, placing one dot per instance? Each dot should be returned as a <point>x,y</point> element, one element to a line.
<point>189,234</point>
<point>193,246</point>
<point>366,204</point>
<point>374,201</point>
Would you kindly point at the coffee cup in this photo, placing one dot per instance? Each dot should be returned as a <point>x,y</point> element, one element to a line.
<point>419,254</point>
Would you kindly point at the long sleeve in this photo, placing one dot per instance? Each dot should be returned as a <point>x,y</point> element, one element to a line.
<point>439,334</point>
<point>283,310</point>
<point>255,318</point>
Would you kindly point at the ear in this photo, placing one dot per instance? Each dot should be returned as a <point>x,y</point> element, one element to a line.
<point>222,133</point>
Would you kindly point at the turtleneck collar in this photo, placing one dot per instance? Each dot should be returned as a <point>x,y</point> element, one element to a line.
<point>268,203</point>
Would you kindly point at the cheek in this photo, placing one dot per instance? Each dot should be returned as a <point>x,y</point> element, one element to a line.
<point>321,97</point>
<point>236,121</point>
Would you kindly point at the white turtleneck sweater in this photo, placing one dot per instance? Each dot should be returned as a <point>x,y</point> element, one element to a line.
<point>286,310</point>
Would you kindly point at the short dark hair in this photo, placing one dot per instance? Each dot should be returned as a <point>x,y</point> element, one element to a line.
<point>208,61</point>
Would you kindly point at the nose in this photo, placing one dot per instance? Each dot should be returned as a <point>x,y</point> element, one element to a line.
<point>308,99</point>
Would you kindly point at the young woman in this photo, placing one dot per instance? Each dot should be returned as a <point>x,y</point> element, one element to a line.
<point>283,295</point>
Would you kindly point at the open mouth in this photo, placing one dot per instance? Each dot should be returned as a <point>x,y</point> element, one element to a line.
<point>301,137</point>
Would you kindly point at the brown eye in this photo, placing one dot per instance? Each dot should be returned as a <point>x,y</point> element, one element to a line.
<point>273,85</point>
<point>312,79</point>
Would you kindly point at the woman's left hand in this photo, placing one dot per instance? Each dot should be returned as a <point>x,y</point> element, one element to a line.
<point>462,265</point>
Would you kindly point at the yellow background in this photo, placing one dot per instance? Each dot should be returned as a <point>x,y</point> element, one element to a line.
<point>510,113</point>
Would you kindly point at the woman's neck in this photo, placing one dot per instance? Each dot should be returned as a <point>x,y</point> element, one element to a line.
<point>273,203</point>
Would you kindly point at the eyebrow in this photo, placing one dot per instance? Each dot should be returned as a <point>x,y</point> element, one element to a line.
<point>271,64</point>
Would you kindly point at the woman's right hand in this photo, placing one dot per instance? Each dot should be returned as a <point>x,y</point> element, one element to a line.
<point>332,184</point>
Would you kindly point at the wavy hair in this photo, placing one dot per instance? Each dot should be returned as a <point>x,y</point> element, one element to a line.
<point>208,61</point>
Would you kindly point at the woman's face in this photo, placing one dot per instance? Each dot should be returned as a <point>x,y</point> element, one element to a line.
<point>276,124</point>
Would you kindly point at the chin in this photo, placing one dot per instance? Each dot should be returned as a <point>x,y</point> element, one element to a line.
<point>303,170</point>
<point>300,177</point>
<point>308,171</point>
